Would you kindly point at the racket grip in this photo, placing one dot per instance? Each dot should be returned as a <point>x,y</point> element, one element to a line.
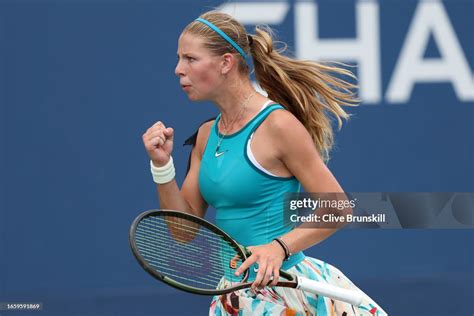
<point>349,296</point>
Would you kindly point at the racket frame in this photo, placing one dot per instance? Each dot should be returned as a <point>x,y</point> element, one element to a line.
<point>176,284</point>
<point>293,281</point>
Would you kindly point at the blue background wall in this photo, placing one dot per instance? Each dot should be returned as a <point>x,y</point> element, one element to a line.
<point>80,81</point>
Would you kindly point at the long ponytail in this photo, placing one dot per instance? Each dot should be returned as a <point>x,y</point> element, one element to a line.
<point>308,89</point>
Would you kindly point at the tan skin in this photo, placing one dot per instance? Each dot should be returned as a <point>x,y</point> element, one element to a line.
<point>282,150</point>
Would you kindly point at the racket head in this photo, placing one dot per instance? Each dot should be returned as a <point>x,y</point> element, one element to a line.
<point>185,251</point>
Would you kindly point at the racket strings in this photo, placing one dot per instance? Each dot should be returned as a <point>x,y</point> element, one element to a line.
<point>164,247</point>
<point>153,253</point>
<point>190,231</point>
<point>163,264</point>
<point>186,251</point>
<point>192,226</point>
<point>223,251</point>
<point>187,228</point>
<point>171,273</point>
<point>158,227</point>
<point>186,279</point>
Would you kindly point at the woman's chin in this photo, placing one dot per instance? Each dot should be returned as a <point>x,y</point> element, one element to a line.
<point>193,97</point>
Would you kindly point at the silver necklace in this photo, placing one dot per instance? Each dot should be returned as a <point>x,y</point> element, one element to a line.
<point>226,129</point>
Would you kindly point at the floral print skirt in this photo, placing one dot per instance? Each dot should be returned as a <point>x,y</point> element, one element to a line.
<point>282,301</point>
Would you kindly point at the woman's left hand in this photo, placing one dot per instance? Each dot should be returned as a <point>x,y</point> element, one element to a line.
<point>269,258</point>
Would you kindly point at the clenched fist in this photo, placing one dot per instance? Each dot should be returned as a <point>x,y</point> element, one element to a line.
<point>158,141</point>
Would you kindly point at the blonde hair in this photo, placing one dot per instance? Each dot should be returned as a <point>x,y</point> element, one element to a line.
<point>311,91</point>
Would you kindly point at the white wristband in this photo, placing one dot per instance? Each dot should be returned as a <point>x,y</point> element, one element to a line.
<point>163,174</point>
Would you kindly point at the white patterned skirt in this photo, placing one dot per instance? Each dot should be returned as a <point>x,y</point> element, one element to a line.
<point>281,301</point>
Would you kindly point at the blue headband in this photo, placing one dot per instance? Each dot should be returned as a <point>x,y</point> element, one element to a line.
<point>224,36</point>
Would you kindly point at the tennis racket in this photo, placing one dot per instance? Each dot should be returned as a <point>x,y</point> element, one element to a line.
<point>193,255</point>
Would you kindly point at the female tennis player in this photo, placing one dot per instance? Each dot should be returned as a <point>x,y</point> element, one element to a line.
<point>256,150</point>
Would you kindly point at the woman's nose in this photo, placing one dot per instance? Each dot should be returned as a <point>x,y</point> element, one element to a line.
<point>179,69</point>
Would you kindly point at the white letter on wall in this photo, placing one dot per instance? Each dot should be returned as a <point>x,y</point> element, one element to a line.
<point>430,17</point>
<point>256,12</point>
<point>364,49</point>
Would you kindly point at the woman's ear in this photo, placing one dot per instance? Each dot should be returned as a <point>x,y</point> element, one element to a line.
<point>228,61</point>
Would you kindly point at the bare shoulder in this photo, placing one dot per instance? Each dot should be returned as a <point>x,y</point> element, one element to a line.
<point>205,129</point>
<point>284,122</point>
<point>203,136</point>
<point>289,135</point>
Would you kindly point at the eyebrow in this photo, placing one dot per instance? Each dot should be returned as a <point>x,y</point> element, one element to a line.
<point>185,54</point>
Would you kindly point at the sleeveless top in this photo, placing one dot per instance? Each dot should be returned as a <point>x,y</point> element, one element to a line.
<point>249,202</point>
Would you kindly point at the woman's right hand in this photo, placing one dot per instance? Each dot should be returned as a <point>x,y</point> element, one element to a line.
<point>158,141</point>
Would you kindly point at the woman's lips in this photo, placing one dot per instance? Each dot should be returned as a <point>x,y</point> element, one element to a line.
<point>185,87</point>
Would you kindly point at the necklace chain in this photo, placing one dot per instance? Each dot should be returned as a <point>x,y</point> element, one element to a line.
<point>226,129</point>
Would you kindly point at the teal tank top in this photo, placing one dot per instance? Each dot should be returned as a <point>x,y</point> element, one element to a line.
<point>249,202</point>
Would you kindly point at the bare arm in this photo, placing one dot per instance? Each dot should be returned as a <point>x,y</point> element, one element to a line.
<point>158,141</point>
<point>297,151</point>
